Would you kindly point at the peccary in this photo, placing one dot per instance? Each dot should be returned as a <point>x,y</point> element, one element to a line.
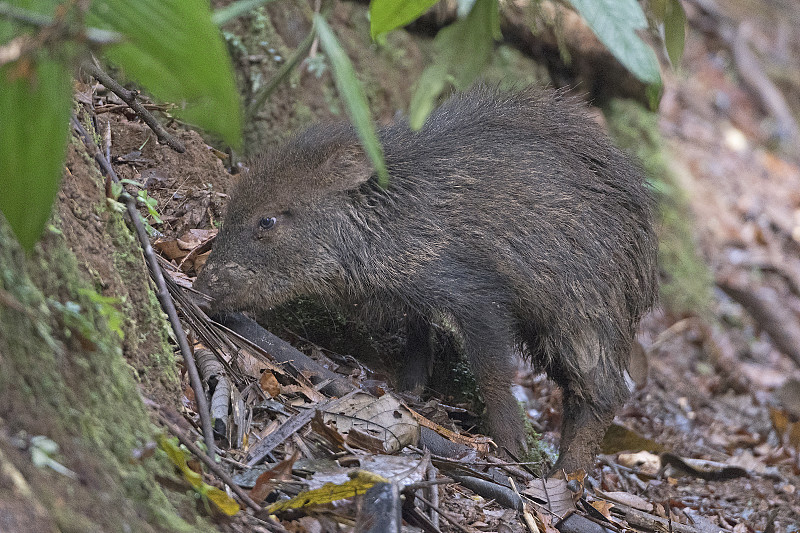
<point>509,216</point>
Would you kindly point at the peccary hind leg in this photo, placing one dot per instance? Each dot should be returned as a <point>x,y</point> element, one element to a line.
<point>584,425</point>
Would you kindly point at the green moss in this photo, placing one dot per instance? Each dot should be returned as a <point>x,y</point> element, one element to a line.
<point>536,454</point>
<point>62,374</point>
<point>147,336</point>
<point>687,281</point>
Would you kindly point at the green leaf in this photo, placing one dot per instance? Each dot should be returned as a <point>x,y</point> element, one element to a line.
<point>463,50</point>
<point>615,23</point>
<point>429,86</point>
<point>236,9</point>
<point>175,50</point>
<point>675,31</point>
<point>386,15</point>
<point>351,91</point>
<point>659,10</point>
<point>35,105</point>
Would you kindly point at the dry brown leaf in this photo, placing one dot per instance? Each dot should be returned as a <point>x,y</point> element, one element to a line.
<point>170,249</point>
<point>603,507</point>
<point>479,443</point>
<point>269,383</point>
<point>280,472</point>
<point>626,498</point>
<point>552,494</point>
<point>384,420</point>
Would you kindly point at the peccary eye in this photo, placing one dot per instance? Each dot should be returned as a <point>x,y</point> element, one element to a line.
<point>266,223</point>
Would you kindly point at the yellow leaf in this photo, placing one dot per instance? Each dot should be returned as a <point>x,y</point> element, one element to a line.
<point>359,484</point>
<point>178,457</point>
<point>217,496</point>
<point>225,503</point>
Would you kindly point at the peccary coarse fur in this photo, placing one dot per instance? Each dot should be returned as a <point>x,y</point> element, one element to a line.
<point>509,216</point>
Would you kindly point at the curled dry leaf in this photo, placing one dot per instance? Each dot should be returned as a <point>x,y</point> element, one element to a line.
<point>384,422</point>
<point>269,383</point>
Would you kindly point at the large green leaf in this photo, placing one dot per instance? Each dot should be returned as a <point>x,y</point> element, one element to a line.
<point>35,105</point>
<point>462,51</point>
<point>386,15</point>
<point>175,50</point>
<point>351,91</point>
<point>615,23</point>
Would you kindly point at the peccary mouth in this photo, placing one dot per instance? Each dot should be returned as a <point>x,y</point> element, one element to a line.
<point>222,292</point>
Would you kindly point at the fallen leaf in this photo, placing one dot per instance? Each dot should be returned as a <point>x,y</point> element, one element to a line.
<point>265,482</point>
<point>269,383</point>
<point>603,507</point>
<point>328,493</point>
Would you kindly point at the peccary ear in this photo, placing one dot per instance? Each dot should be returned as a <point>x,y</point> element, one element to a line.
<point>347,167</point>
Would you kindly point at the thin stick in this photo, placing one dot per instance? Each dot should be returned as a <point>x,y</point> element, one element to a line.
<point>92,35</point>
<point>132,99</point>
<point>162,293</point>
<point>218,471</point>
<point>411,487</point>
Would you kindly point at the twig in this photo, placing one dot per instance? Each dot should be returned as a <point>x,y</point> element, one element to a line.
<point>131,98</point>
<point>780,323</point>
<point>736,37</point>
<point>261,96</point>
<point>219,472</point>
<point>772,99</point>
<point>430,474</point>
<point>411,487</point>
<point>162,293</point>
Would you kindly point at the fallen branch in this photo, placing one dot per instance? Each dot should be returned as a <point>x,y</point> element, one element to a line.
<point>736,37</point>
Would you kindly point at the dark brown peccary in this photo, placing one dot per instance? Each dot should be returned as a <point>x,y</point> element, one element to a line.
<point>509,217</point>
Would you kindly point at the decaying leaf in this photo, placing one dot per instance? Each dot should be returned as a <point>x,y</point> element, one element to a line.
<point>269,383</point>
<point>603,507</point>
<point>552,494</point>
<point>481,444</point>
<point>626,498</point>
<point>359,483</point>
<point>383,422</point>
<point>265,482</point>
